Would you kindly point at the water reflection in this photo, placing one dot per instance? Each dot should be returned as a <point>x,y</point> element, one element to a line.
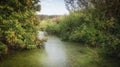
<point>41,35</point>
<point>56,56</point>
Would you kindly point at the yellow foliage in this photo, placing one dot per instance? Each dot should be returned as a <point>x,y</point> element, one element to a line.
<point>12,38</point>
<point>28,2</point>
<point>12,34</point>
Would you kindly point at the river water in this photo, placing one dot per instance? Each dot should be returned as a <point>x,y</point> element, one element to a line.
<point>57,53</point>
<point>52,55</point>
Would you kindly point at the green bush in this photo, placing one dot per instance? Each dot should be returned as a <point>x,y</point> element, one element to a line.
<point>93,31</point>
<point>111,46</point>
<point>52,27</point>
<point>18,24</point>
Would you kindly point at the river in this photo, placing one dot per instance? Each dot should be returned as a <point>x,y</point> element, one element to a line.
<point>57,53</point>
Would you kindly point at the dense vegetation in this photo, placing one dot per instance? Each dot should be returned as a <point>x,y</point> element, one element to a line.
<point>96,24</point>
<point>18,24</point>
<point>91,29</point>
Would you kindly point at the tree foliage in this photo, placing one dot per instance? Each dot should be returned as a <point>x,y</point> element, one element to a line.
<point>18,24</point>
<point>93,22</point>
<point>110,8</point>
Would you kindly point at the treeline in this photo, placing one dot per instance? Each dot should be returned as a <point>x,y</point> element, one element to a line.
<point>43,17</point>
<point>18,24</point>
<point>96,25</point>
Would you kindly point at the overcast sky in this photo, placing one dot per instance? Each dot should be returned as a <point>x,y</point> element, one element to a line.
<point>53,7</point>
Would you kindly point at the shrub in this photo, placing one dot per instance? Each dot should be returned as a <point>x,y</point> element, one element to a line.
<point>18,24</point>
<point>94,31</point>
<point>52,27</point>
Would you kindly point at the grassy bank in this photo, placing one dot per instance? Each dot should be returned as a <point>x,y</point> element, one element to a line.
<point>30,58</point>
<point>82,56</point>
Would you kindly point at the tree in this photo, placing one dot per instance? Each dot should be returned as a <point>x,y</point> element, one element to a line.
<point>104,17</point>
<point>18,24</point>
<point>111,8</point>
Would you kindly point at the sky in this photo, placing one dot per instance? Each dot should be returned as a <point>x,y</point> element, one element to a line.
<point>53,7</point>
